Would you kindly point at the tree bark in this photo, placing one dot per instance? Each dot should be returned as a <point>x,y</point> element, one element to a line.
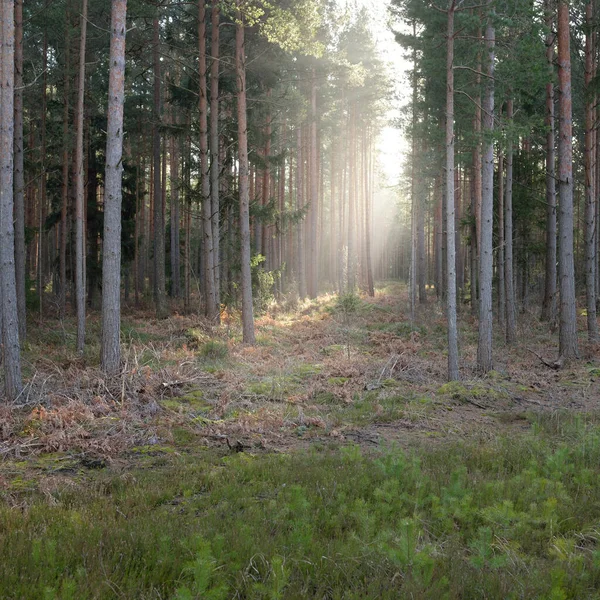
<point>210,307</point>
<point>590,200</point>
<point>300,206</point>
<point>568,343</point>
<point>10,319</point>
<point>79,191</point>
<point>313,280</point>
<point>214,150</point>
<point>550,291</point>
<point>19,174</point>
<point>486,252</point>
<point>160,299</point>
<point>511,311</point>
<point>110,357</point>
<point>240,67</point>
<point>453,373</point>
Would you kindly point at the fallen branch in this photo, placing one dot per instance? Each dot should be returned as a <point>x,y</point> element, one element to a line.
<point>556,365</point>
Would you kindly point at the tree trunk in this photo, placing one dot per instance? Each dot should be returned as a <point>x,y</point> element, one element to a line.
<point>453,373</point>
<point>10,319</point>
<point>300,206</point>
<point>486,252</point>
<point>19,175</point>
<point>159,226</point>
<point>240,67</point>
<point>65,171</point>
<point>110,354</point>
<point>210,307</point>
<point>314,196</point>
<point>175,219</point>
<point>568,344</point>
<point>549,303</point>
<point>501,281</point>
<point>590,200</point>
<point>511,311</point>
<point>214,150</point>
<point>79,191</point>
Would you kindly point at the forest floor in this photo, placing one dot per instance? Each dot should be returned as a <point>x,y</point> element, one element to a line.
<point>347,378</point>
<point>330,371</point>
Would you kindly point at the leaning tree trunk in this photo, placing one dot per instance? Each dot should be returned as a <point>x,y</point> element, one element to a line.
<point>10,319</point>
<point>453,373</point>
<point>79,192</point>
<point>240,67</point>
<point>568,344</point>
<point>110,353</point>
<point>486,250</point>
<point>590,200</point>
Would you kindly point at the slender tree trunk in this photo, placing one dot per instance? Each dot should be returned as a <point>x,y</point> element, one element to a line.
<point>486,253</point>
<point>19,174</point>
<point>550,291</point>
<point>368,265</point>
<point>159,228</point>
<point>314,195</point>
<point>65,169</point>
<point>175,220</point>
<point>300,206</point>
<point>413,188</point>
<point>568,343</point>
<point>214,149</point>
<point>590,200</point>
<point>453,373</point>
<point>10,318</point>
<point>79,191</point>
<point>240,67</point>
<point>511,311</point>
<point>211,309</point>
<point>111,250</point>
<point>501,245</point>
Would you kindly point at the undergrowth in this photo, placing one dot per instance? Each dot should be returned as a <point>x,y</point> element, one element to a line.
<point>514,518</point>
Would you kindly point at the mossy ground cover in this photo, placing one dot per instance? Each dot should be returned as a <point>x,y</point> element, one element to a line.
<point>509,518</point>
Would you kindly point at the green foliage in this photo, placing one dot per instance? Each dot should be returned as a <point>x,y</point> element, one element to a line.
<point>214,349</point>
<point>512,518</point>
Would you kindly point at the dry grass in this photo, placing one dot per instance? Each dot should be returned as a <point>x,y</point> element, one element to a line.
<point>313,375</point>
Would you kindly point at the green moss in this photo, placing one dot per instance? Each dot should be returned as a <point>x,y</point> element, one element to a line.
<point>337,380</point>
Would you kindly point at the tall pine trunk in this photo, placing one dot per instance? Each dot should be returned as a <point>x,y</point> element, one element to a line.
<point>10,319</point>
<point>110,353</point>
<point>210,307</point>
<point>453,373</point>
<point>590,200</point>
<point>214,149</point>
<point>160,299</point>
<point>486,251</point>
<point>511,310</point>
<point>19,174</point>
<point>550,291</point>
<point>240,68</point>
<point>568,343</point>
<point>79,191</point>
